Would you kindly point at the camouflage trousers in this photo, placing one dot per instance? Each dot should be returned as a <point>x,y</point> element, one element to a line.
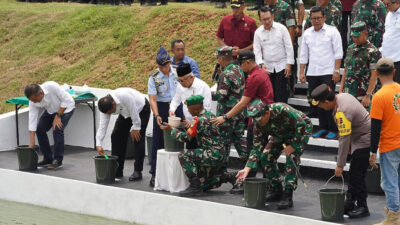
<point>203,163</point>
<point>269,163</point>
<point>234,131</point>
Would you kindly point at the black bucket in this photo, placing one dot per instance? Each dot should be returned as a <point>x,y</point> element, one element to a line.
<point>170,143</point>
<point>332,202</point>
<point>373,181</point>
<point>255,190</point>
<point>27,157</point>
<point>106,169</point>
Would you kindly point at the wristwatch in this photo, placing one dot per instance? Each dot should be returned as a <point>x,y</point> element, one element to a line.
<point>261,65</point>
<point>225,117</point>
<point>59,114</point>
<point>369,95</point>
<point>371,153</point>
<point>337,71</point>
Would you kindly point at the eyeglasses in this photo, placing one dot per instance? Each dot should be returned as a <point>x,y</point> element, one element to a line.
<point>184,79</point>
<point>387,4</point>
<point>317,18</point>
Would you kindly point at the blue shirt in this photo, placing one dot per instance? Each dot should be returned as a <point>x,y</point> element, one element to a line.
<point>163,86</point>
<point>193,65</point>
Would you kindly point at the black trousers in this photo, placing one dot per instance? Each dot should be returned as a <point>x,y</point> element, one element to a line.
<point>120,135</point>
<point>358,171</point>
<point>326,120</point>
<point>280,86</point>
<point>346,18</point>
<point>397,74</point>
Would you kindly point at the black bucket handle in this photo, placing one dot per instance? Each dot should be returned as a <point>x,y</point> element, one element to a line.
<point>326,184</point>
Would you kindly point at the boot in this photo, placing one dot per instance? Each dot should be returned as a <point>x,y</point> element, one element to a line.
<point>392,218</point>
<point>274,194</point>
<point>193,189</point>
<point>361,210</point>
<point>231,178</point>
<point>287,200</point>
<point>349,203</point>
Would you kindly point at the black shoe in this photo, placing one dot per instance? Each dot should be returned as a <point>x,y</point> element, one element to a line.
<point>55,165</point>
<point>230,177</point>
<point>119,174</point>
<point>287,200</point>
<point>44,163</point>
<point>274,194</point>
<point>349,203</point>
<point>193,189</point>
<point>255,8</point>
<point>152,180</point>
<point>136,175</point>
<point>358,212</point>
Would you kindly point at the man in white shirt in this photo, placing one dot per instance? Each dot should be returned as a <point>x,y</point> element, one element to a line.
<point>59,107</point>
<point>321,48</point>
<point>189,85</point>
<point>274,52</point>
<point>391,37</point>
<point>134,112</point>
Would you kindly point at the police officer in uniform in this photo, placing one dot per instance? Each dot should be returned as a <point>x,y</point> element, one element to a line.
<point>162,85</point>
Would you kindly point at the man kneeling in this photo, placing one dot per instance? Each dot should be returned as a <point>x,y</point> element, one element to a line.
<point>202,165</point>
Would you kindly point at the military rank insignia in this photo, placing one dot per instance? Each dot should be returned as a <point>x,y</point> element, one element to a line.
<point>343,124</point>
<point>192,131</point>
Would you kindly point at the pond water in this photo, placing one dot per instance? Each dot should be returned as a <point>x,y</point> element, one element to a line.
<point>26,214</point>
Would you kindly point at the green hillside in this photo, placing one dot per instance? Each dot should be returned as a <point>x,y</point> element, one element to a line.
<point>101,46</point>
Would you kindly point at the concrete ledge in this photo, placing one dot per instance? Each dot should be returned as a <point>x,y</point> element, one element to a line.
<point>130,205</point>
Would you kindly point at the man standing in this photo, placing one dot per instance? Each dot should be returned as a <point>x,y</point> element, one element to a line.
<point>59,108</point>
<point>178,49</point>
<point>237,30</point>
<point>273,50</point>
<point>373,13</point>
<point>333,14</point>
<point>385,130</point>
<point>289,131</point>
<point>133,110</point>
<point>354,137</point>
<point>321,48</point>
<point>230,88</point>
<point>283,14</point>
<point>162,86</point>
<point>359,77</point>
<point>391,37</point>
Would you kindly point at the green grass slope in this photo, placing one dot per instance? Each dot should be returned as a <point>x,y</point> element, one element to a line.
<point>101,46</point>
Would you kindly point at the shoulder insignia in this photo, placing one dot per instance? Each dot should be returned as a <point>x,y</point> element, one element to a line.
<point>154,73</point>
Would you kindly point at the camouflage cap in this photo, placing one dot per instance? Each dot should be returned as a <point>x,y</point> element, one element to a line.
<point>194,100</point>
<point>320,93</point>
<point>236,3</point>
<point>256,109</point>
<point>357,28</point>
<point>224,51</point>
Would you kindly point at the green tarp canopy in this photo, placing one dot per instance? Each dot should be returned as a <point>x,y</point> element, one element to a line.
<point>25,101</point>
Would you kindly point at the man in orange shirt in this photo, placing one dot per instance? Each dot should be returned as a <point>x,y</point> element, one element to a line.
<point>385,130</point>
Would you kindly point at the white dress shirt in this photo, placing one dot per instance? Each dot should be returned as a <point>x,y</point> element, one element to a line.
<point>391,38</point>
<point>198,87</point>
<point>320,50</point>
<point>275,46</point>
<point>129,104</point>
<point>54,98</point>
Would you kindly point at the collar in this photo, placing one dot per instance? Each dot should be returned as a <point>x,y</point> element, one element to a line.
<point>237,20</point>
<point>363,45</point>
<point>182,61</point>
<point>273,26</point>
<point>397,11</point>
<point>45,91</point>
<point>254,69</point>
<point>116,100</point>
<point>322,28</point>
<point>170,72</point>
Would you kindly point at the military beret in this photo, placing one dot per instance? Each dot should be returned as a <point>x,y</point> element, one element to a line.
<point>224,51</point>
<point>194,100</point>
<point>320,93</point>
<point>236,3</point>
<point>256,109</point>
<point>183,70</point>
<point>357,28</point>
<point>162,58</point>
<point>245,55</point>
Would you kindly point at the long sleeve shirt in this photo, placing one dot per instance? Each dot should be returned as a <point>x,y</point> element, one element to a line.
<point>198,87</point>
<point>54,98</point>
<point>391,37</point>
<point>193,65</point>
<point>129,104</point>
<point>320,49</point>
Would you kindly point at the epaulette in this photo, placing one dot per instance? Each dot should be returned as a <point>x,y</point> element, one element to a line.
<point>154,73</point>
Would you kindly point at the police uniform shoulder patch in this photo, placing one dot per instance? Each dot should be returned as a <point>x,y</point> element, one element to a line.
<point>343,124</point>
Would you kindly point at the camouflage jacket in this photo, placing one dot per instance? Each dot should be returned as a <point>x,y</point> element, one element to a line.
<point>207,134</point>
<point>294,3</point>
<point>230,88</point>
<point>333,17</point>
<point>338,5</point>
<point>373,13</point>
<point>360,60</point>
<point>286,125</point>
<point>283,13</point>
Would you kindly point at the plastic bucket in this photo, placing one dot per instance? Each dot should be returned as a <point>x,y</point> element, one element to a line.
<point>170,143</point>
<point>255,190</point>
<point>332,202</point>
<point>27,157</point>
<point>106,169</point>
<point>174,121</point>
<point>373,181</point>
<point>149,143</point>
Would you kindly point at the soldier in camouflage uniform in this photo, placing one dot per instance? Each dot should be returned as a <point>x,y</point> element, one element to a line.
<point>360,75</point>
<point>202,165</point>
<point>230,88</point>
<point>332,13</point>
<point>373,13</point>
<point>338,4</point>
<point>290,130</point>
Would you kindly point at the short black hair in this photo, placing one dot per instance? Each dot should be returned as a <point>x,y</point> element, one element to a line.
<point>265,9</point>
<point>316,9</point>
<point>105,104</point>
<point>385,70</point>
<point>32,89</point>
<point>331,95</point>
<point>176,41</point>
